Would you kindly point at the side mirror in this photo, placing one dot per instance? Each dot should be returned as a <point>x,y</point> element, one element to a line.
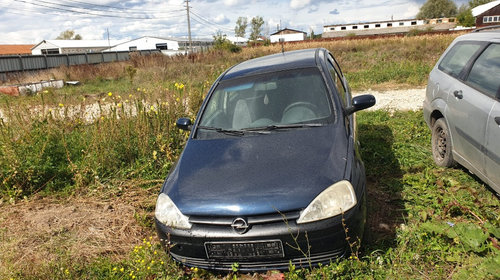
<point>184,123</point>
<point>361,102</point>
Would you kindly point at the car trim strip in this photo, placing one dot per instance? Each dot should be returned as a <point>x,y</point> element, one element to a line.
<point>479,146</point>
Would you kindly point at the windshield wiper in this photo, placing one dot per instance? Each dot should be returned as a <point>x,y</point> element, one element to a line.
<point>232,132</point>
<point>283,126</point>
<point>222,130</point>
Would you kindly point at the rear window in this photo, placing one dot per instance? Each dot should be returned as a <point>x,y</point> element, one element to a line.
<point>485,72</point>
<point>457,57</point>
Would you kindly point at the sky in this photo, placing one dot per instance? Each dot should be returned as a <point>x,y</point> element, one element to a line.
<point>31,21</point>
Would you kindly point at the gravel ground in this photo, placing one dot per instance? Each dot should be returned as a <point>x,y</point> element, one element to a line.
<point>394,100</point>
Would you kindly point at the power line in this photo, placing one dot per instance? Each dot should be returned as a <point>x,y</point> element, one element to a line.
<point>208,22</point>
<point>146,16</point>
<point>124,8</point>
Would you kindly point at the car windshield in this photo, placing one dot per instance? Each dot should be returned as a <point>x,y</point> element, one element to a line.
<point>269,101</point>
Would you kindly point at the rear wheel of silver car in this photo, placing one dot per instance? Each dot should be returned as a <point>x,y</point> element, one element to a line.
<point>441,144</point>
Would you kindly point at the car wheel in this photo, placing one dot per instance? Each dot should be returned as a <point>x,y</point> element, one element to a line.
<point>441,144</point>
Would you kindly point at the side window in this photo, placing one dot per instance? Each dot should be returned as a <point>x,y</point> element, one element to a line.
<point>486,70</point>
<point>456,59</point>
<point>339,85</point>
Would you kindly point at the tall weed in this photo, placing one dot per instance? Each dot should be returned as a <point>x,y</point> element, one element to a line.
<point>53,150</point>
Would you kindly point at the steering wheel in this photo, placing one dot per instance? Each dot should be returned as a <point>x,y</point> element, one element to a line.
<point>305,107</point>
<point>308,105</point>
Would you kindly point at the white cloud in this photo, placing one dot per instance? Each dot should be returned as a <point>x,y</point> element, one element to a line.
<point>299,4</point>
<point>221,19</point>
<point>232,3</point>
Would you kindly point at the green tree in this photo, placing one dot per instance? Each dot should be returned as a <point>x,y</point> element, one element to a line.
<point>69,35</point>
<point>437,9</point>
<point>222,43</point>
<point>465,17</point>
<point>475,3</point>
<point>256,27</point>
<point>241,27</point>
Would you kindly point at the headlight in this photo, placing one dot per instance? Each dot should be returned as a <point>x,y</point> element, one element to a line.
<point>167,213</point>
<point>333,201</point>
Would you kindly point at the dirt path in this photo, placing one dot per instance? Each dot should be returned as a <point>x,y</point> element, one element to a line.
<point>393,100</point>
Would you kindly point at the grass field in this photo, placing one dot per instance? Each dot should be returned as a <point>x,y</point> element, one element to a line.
<point>77,197</point>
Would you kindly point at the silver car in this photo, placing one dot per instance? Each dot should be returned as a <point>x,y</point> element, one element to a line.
<point>462,105</point>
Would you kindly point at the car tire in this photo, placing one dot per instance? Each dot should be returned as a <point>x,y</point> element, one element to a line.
<point>441,144</point>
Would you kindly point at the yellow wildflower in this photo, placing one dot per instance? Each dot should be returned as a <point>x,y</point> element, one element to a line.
<point>61,105</point>
<point>110,94</point>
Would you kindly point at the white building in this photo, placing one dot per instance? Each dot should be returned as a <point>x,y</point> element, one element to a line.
<point>288,35</point>
<point>386,27</point>
<point>146,43</point>
<point>72,46</point>
<point>239,41</point>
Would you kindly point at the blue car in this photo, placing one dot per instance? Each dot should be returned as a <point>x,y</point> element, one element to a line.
<point>271,173</point>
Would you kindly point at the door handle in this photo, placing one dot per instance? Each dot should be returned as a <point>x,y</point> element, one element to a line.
<point>497,120</point>
<point>458,94</point>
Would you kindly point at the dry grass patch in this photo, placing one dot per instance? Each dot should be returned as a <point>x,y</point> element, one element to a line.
<point>107,222</point>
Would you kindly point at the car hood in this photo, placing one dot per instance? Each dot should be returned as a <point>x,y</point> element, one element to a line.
<point>258,174</point>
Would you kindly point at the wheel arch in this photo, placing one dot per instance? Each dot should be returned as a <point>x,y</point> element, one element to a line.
<point>435,115</point>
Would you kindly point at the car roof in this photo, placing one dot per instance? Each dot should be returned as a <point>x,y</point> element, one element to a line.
<point>487,35</point>
<point>275,62</point>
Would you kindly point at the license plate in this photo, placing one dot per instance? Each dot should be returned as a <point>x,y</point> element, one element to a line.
<point>244,250</point>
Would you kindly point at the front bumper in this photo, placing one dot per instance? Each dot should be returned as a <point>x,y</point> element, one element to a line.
<point>303,245</point>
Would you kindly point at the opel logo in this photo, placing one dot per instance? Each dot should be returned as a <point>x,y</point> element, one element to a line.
<point>240,225</point>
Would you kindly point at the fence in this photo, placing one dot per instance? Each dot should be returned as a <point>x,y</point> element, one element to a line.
<point>19,63</point>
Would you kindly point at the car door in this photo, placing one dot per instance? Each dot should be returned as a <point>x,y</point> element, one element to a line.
<point>467,109</point>
<point>484,77</point>
<point>493,147</point>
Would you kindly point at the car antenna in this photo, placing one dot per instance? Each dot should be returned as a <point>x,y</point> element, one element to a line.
<point>282,41</point>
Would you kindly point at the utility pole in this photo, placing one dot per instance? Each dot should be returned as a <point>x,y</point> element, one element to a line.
<point>189,26</point>
<point>109,44</point>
